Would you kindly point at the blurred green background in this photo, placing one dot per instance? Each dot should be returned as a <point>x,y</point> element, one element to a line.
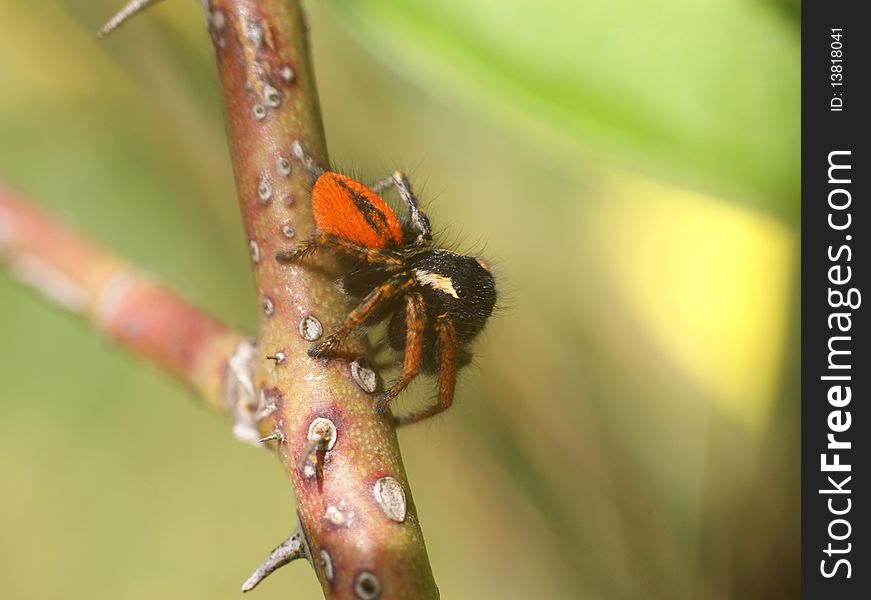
<point>630,427</point>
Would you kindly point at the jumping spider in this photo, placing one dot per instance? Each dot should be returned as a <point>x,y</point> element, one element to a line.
<point>437,300</point>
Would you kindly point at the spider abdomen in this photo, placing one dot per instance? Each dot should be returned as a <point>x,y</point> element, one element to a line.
<point>457,286</point>
<point>453,286</point>
<point>347,209</point>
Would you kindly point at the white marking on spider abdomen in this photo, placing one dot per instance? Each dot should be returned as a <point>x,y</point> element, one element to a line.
<point>442,283</point>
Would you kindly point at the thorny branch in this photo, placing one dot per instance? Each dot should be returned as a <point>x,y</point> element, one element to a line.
<point>357,521</point>
<point>135,312</point>
<point>355,509</point>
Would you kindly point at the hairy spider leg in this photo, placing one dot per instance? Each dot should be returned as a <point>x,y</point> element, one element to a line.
<point>448,350</point>
<point>416,217</point>
<point>325,241</point>
<point>415,324</point>
<point>391,288</point>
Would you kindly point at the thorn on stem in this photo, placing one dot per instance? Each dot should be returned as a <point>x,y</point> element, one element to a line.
<point>127,12</point>
<point>290,549</point>
<point>321,438</point>
<point>275,435</point>
<point>323,430</point>
<point>278,357</point>
<point>315,447</point>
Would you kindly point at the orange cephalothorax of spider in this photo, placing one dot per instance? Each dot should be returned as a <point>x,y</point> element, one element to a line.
<point>437,300</point>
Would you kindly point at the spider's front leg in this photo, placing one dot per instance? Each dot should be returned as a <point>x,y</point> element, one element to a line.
<point>415,323</point>
<point>449,349</point>
<point>396,286</point>
<point>417,220</point>
<point>323,241</point>
<point>317,242</point>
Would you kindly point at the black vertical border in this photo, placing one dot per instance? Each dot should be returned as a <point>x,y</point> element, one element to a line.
<point>824,131</point>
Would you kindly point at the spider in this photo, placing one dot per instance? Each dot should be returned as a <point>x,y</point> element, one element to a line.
<point>437,300</point>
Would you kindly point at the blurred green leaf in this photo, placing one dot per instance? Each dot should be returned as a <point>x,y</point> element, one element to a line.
<point>699,93</point>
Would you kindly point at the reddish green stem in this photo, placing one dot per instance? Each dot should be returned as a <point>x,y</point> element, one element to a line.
<point>135,312</point>
<point>356,510</point>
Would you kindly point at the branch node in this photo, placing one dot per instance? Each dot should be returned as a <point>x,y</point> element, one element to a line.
<point>238,392</point>
<point>323,431</point>
<point>322,436</point>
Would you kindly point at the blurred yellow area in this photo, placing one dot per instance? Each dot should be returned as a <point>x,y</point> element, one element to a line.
<point>41,68</point>
<point>709,282</point>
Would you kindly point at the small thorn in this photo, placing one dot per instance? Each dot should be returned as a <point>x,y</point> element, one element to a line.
<point>275,435</point>
<point>278,357</point>
<point>290,549</point>
<point>321,438</point>
<point>313,447</point>
<point>127,12</point>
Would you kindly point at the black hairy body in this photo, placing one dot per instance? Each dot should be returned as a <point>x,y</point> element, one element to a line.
<point>436,301</point>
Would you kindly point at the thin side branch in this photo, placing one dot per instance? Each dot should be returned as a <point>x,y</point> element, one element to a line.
<point>134,311</point>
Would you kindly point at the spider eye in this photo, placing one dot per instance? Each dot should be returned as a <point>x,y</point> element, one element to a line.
<point>461,293</point>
